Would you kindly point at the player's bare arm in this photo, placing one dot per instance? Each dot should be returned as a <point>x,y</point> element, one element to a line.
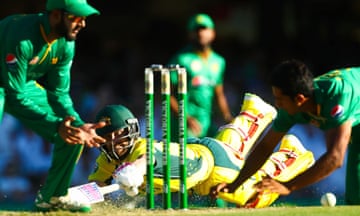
<point>192,123</point>
<point>222,103</point>
<point>337,140</point>
<point>253,162</point>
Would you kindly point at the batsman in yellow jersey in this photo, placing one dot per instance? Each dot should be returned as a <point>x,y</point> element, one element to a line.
<point>210,161</point>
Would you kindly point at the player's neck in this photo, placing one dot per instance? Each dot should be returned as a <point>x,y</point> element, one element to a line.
<point>204,52</point>
<point>311,107</point>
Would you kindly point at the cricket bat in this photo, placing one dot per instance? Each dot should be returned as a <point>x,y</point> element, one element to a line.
<point>91,193</point>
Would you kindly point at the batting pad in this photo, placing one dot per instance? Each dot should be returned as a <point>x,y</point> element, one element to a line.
<point>291,160</point>
<point>245,129</point>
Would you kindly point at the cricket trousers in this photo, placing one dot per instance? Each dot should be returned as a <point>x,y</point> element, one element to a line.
<point>352,186</point>
<point>64,156</point>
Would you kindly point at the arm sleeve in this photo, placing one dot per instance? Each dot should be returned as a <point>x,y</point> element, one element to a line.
<point>222,65</point>
<point>283,122</point>
<point>15,81</point>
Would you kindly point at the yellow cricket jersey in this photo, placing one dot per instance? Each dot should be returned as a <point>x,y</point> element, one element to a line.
<point>208,162</point>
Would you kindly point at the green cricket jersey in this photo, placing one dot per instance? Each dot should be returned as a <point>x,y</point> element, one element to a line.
<point>28,61</point>
<point>203,76</point>
<point>337,94</point>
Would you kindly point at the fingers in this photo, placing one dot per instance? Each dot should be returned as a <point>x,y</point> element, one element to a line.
<point>85,135</point>
<point>99,125</point>
<point>73,140</point>
<point>67,121</point>
<point>214,191</point>
<point>272,185</point>
<point>194,126</point>
<point>265,184</point>
<point>93,143</point>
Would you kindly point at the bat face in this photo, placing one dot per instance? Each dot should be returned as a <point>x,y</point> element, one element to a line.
<point>87,193</point>
<point>91,193</point>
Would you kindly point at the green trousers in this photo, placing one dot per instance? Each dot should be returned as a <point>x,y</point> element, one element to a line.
<point>64,156</point>
<point>352,187</point>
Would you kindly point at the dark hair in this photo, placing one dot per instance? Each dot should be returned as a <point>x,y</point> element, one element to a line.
<point>293,77</point>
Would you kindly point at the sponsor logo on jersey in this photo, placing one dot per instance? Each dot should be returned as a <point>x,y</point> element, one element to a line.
<point>11,61</point>
<point>201,81</point>
<point>337,111</point>
<point>196,81</point>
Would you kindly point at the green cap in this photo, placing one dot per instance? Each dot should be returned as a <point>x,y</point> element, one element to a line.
<point>75,7</point>
<point>116,117</point>
<point>200,20</point>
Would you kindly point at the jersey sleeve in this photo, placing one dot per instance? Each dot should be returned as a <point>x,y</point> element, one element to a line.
<point>138,151</point>
<point>15,82</point>
<point>283,121</point>
<point>337,110</point>
<point>222,68</point>
<point>337,98</point>
<point>103,170</point>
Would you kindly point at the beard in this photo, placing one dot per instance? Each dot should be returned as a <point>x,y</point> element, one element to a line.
<point>64,31</point>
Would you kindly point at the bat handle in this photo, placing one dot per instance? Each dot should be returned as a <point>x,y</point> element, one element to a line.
<point>109,188</point>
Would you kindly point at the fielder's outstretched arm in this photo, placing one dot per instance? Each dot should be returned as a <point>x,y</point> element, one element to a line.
<point>253,163</point>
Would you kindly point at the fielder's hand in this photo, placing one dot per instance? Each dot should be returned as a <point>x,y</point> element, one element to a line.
<point>89,136</point>
<point>128,175</point>
<point>194,126</point>
<point>85,134</point>
<point>273,186</point>
<point>222,187</point>
<point>69,133</point>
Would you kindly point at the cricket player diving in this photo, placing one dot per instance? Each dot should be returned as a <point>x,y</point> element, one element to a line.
<point>209,160</point>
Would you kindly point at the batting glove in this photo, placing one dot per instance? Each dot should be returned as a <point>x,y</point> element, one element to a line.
<point>128,175</point>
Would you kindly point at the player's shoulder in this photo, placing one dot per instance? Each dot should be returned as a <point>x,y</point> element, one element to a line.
<point>140,143</point>
<point>22,21</point>
<point>217,54</point>
<point>184,51</point>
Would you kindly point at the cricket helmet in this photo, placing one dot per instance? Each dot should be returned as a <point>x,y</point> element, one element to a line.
<point>117,118</point>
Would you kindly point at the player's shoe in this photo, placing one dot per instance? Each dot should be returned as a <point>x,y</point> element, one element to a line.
<point>60,203</point>
<point>256,106</point>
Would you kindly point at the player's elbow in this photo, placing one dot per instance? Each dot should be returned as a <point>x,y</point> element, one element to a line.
<point>337,161</point>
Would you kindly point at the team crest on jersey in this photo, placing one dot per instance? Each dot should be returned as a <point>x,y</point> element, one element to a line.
<point>215,67</point>
<point>337,111</point>
<point>54,60</point>
<point>196,65</point>
<point>11,61</point>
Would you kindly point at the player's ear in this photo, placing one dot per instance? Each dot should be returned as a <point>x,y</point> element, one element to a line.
<point>56,15</point>
<point>300,99</point>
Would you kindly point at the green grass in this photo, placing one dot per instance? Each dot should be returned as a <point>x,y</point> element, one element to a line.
<point>106,209</point>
